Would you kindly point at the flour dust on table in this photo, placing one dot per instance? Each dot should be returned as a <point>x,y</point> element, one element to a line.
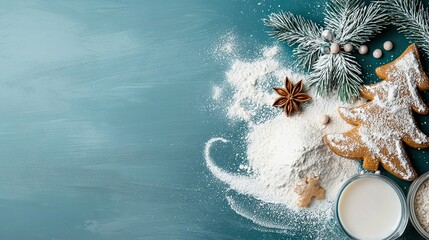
<point>279,151</point>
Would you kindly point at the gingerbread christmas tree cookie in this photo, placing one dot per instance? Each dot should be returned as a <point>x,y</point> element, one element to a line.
<point>386,122</point>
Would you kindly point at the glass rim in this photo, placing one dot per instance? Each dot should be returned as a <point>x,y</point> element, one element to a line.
<point>400,229</point>
<point>411,200</point>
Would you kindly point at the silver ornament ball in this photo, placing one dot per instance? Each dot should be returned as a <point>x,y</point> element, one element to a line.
<point>328,35</point>
<point>335,48</point>
<point>324,49</point>
<point>348,47</point>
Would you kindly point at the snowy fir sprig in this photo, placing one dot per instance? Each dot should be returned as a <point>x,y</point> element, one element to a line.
<point>411,18</point>
<point>296,30</point>
<point>326,51</point>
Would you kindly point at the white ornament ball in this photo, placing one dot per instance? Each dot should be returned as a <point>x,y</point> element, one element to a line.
<point>348,47</point>
<point>325,119</point>
<point>363,49</point>
<point>335,48</point>
<point>377,53</point>
<point>388,45</point>
<point>328,35</point>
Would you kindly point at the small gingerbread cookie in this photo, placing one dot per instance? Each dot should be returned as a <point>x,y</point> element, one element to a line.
<point>385,122</point>
<point>309,190</point>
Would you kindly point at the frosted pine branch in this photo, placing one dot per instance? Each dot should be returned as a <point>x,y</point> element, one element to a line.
<point>296,30</point>
<point>363,24</point>
<point>347,22</point>
<point>306,57</point>
<point>341,71</point>
<point>293,29</point>
<point>411,18</point>
<point>321,76</point>
<point>353,22</point>
<point>347,73</point>
<point>338,11</point>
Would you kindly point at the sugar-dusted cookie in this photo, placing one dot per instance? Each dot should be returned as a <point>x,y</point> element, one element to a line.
<point>385,122</point>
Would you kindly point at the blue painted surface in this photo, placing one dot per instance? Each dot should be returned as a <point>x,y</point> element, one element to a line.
<point>103,117</point>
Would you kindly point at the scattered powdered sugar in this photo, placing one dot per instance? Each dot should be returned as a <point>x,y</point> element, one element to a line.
<point>227,46</point>
<point>217,92</point>
<point>388,119</point>
<point>422,205</point>
<point>248,79</point>
<point>280,151</point>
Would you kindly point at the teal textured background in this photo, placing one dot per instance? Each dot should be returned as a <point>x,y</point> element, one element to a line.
<point>103,116</point>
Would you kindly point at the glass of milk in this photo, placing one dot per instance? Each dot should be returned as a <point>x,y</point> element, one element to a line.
<point>371,206</point>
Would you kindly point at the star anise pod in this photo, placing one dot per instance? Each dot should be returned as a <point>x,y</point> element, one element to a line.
<point>290,97</point>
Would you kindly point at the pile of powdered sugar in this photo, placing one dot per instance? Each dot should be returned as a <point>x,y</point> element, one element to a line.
<point>422,205</point>
<point>280,151</point>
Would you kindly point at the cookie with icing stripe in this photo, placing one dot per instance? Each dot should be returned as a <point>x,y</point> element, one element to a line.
<point>385,123</point>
